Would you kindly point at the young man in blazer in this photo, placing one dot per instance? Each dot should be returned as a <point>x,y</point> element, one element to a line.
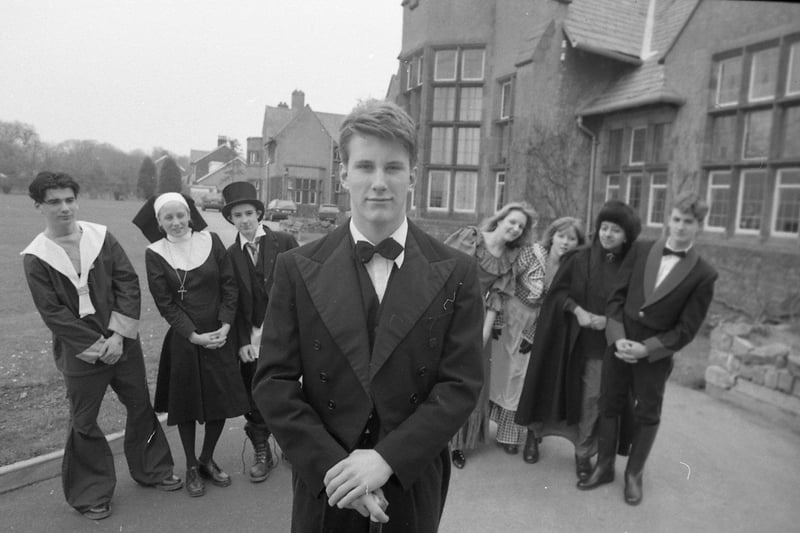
<point>661,300</point>
<point>253,255</point>
<point>373,342</point>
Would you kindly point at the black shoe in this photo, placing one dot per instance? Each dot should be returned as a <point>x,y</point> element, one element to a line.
<point>459,461</point>
<point>98,512</point>
<point>195,485</point>
<point>633,488</point>
<point>530,453</point>
<point>600,475</point>
<point>510,449</point>
<point>214,473</point>
<point>583,467</point>
<point>170,483</point>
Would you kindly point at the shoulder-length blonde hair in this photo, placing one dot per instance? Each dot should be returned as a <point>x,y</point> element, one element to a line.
<point>561,224</point>
<point>532,218</point>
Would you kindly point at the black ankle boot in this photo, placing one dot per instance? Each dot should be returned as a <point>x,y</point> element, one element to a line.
<point>640,449</point>
<point>530,453</point>
<point>603,471</point>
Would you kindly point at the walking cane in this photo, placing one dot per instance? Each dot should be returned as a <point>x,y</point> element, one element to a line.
<point>375,527</point>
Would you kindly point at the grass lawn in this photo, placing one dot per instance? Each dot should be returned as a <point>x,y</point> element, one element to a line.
<point>33,406</point>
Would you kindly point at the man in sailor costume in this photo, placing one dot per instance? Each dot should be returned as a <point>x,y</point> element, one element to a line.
<point>87,293</point>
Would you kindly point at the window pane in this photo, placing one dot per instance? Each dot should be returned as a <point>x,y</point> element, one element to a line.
<point>658,198</point>
<point>499,191</point>
<point>445,67</point>
<point>471,100</point>
<point>465,190</point>
<point>469,140</point>
<point>763,72</point>
<point>719,198</point>
<point>438,189</point>
<point>751,194</point>
<point>505,100</point>
<point>444,103</point>
<point>723,137</point>
<point>442,145</point>
<point>660,132</point>
<point>614,155</point>
<point>637,145</point>
<point>635,191</point>
<point>409,74</point>
<point>791,132</point>
<point>787,216</point>
<point>612,188</point>
<point>420,72</point>
<point>729,75</point>
<point>756,134</point>
<point>793,75</point>
<point>472,65</point>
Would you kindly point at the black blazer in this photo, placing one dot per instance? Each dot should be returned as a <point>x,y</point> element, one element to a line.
<point>664,318</point>
<point>273,243</point>
<point>422,378</point>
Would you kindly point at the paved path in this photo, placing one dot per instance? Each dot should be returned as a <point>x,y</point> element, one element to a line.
<point>714,468</point>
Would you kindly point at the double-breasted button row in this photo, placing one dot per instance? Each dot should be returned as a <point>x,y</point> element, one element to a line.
<point>414,399</point>
<point>421,371</point>
<point>323,377</point>
<point>316,345</point>
<point>331,405</point>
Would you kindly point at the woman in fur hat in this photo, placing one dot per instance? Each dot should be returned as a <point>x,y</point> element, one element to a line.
<point>562,385</point>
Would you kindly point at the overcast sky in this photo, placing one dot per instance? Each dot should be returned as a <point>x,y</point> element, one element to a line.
<point>145,73</point>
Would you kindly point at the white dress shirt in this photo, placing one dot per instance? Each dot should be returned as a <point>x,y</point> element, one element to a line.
<point>379,268</point>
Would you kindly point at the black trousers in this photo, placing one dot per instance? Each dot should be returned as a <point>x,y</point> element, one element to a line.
<point>248,370</point>
<point>644,380</point>
<point>88,475</point>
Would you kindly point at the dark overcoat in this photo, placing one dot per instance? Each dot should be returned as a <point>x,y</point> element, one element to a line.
<point>421,379</point>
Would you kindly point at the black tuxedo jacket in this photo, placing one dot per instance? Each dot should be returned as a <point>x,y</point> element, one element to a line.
<point>664,318</point>
<point>422,378</point>
<point>273,243</point>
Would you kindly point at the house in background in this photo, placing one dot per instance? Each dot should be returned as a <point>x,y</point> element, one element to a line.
<point>567,103</point>
<point>299,159</point>
<point>204,162</point>
<point>160,163</point>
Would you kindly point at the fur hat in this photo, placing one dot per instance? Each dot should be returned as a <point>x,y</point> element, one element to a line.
<point>240,192</point>
<point>622,215</point>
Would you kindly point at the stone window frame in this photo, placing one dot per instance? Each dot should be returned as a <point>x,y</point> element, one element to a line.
<point>654,203</point>
<point>630,195</point>
<point>748,157</point>
<point>499,190</point>
<point>613,187</point>
<point>712,202</point>
<point>779,188</point>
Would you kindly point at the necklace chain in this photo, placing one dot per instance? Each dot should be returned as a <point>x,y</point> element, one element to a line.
<point>182,289</point>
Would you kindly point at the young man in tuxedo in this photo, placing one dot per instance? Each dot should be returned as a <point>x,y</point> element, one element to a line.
<point>372,340</point>
<point>253,255</point>
<point>661,300</point>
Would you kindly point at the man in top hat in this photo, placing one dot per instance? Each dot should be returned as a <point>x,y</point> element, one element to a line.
<point>664,291</point>
<point>253,254</point>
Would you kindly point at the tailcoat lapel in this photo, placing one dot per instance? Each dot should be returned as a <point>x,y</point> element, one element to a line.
<point>675,276</point>
<point>332,282</point>
<point>410,292</point>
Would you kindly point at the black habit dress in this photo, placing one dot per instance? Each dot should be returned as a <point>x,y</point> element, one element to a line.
<point>195,383</point>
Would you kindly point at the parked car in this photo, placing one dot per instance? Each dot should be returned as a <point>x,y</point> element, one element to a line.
<point>212,201</point>
<point>280,209</point>
<point>328,213</point>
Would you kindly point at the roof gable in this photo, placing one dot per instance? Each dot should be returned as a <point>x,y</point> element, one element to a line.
<point>608,27</point>
<point>236,163</point>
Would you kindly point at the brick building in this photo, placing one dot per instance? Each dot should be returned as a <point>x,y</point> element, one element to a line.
<point>299,159</point>
<point>566,103</point>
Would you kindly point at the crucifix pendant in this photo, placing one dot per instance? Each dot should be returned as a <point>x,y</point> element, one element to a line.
<point>182,291</point>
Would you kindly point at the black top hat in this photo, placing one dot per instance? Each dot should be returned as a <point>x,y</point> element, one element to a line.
<point>146,221</point>
<point>240,192</point>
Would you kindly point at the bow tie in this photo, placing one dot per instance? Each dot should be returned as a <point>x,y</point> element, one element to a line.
<point>669,251</point>
<point>388,248</point>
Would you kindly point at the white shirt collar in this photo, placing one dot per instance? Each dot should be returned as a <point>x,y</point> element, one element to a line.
<point>259,233</point>
<point>399,235</point>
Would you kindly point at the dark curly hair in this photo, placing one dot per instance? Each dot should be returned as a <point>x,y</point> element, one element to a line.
<point>51,180</point>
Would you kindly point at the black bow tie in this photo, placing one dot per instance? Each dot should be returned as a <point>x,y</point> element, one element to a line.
<point>668,251</point>
<point>388,248</point>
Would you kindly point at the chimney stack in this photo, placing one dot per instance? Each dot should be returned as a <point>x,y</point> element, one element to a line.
<point>298,99</point>
<point>221,140</point>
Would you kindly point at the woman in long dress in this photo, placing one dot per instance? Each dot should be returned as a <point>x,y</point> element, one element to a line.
<point>536,265</point>
<point>495,246</point>
<point>193,286</point>
<point>561,392</point>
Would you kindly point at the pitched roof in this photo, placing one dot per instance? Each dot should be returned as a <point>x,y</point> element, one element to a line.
<point>196,155</point>
<point>235,161</point>
<point>276,119</point>
<point>609,27</point>
<point>332,122</point>
<point>646,84</point>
